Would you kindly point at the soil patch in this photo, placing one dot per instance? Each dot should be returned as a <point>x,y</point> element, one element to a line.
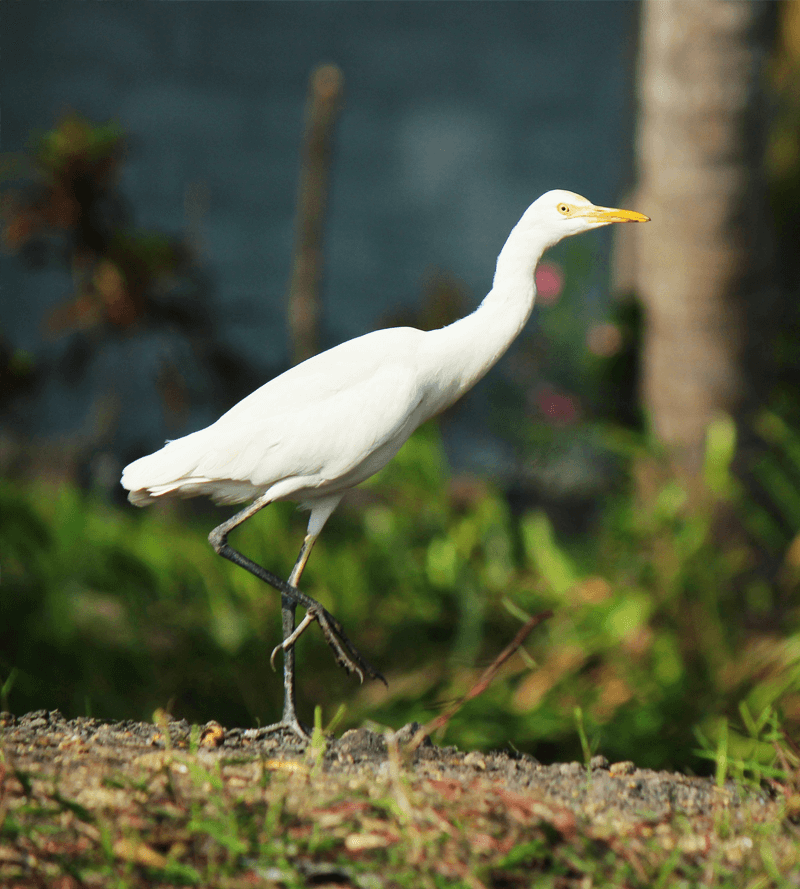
<point>83,800</point>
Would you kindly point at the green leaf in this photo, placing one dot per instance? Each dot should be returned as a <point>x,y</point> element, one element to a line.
<point>544,552</point>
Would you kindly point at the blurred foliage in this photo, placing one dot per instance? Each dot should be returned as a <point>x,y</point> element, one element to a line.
<point>660,632</point>
<point>70,212</point>
<point>782,168</point>
<point>62,207</point>
<point>783,147</point>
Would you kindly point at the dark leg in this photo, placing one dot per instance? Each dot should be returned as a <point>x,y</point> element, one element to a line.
<point>289,717</point>
<point>345,652</point>
<point>288,608</point>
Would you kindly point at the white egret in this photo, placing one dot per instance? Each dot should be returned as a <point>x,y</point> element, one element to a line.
<point>331,422</point>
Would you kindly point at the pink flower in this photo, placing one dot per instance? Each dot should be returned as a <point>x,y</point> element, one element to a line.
<point>549,282</point>
<point>559,408</point>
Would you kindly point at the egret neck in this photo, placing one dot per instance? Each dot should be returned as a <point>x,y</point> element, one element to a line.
<point>464,351</point>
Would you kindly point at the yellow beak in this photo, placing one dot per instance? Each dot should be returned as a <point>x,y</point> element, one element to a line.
<point>609,214</point>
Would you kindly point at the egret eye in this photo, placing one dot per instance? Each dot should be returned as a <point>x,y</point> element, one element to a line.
<point>564,209</point>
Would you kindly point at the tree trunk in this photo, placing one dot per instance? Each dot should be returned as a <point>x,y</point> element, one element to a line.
<point>704,261</point>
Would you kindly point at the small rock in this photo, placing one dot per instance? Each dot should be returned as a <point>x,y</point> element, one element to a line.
<point>213,735</point>
<point>626,767</point>
<point>360,744</point>
<point>408,732</point>
<point>475,760</point>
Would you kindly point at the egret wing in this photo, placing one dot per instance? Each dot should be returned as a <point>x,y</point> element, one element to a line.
<point>335,372</point>
<point>329,422</point>
<point>336,441</point>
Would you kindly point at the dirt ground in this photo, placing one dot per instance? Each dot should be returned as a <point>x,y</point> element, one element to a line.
<point>83,801</point>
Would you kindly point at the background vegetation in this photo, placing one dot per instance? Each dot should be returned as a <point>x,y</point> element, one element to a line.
<point>660,631</point>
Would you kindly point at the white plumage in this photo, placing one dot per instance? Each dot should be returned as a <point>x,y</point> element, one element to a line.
<point>358,401</point>
<point>333,421</point>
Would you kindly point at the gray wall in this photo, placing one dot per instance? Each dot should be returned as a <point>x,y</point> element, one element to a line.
<point>457,115</point>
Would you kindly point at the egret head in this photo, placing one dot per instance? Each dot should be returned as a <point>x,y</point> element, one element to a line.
<point>558,214</point>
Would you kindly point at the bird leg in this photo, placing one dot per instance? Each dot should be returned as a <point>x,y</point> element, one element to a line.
<point>346,654</point>
<point>292,636</point>
<point>288,608</point>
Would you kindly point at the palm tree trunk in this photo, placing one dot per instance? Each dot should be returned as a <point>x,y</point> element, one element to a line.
<point>704,262</point>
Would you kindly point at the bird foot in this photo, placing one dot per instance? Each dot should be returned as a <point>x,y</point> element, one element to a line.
<point>288,724</point>
<point>347,655</point>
